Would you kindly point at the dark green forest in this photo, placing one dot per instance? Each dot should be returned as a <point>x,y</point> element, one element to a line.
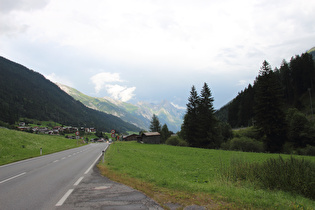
<point>26,93</point>
<point>277,111</point>
<point>296,78</point>
<point>278,106</point>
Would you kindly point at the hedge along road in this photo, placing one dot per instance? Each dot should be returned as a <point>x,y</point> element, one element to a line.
<point>45,182</point>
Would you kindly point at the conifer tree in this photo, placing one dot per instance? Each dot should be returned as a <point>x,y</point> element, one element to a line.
<point>165,133</point>
<point>269,114</point>
<point>189,126</point>
<point>200,127</point>
<point>207,123</point>
<point>155,125</point>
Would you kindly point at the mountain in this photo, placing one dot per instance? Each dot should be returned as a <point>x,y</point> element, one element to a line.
<point>26,93</point>
<point>297,80</point>
<point>139,114</point>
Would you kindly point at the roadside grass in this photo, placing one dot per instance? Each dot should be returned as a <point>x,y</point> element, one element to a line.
<point>291,175</point>
<point>188,176</point>
<point>18,145</point>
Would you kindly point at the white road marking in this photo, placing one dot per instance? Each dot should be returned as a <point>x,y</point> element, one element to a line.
<point>13,177</point>
<point>69,155</point>
<point>79,180</point>
<point>63,158</point>
<point>87,171</point>
<point>64,198</point>
<point>55,161</point>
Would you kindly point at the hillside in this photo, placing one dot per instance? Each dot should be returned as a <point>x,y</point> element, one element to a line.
<point>297,81</point>
<point>139,114</point>
<point>26,93</point>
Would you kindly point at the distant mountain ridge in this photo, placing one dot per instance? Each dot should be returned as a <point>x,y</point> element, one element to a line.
<point>26,93</point>
<point>139,114</point>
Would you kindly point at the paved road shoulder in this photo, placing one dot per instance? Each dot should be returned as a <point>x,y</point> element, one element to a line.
<point>98,192</point>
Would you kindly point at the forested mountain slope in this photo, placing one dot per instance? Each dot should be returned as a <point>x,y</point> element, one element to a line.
<point>26,93</point>
<point>297,80</point>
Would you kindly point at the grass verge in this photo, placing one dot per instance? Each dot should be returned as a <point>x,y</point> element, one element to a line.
<point>17,145</point>
<point>190,176</point>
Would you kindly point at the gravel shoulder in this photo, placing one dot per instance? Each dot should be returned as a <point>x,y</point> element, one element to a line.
<point>98,192</point>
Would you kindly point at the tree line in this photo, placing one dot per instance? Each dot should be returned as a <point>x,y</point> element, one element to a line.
<point>278,106</point>
<point>296,81</point>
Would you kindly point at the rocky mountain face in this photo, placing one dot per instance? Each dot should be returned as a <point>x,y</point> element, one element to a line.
<point>139,114</point>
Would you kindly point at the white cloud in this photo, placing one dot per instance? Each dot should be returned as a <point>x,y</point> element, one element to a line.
<point>105,81</point>
<point>121,93</point>
<point>101,79</point>
<point>175,33</point>
<point>213,40</point>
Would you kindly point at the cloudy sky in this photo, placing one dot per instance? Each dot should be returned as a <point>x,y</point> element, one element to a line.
<point>150,50</point>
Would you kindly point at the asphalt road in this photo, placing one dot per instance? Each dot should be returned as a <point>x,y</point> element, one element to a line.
<point>47,181</point>
<point>98,192</point>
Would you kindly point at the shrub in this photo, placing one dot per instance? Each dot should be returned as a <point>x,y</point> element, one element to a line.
<point>308,150</point>
<point>292,175</point>
<point>300,130</point>
<point>225,145</point>
<point>176,141</point>
<point>246,144</point>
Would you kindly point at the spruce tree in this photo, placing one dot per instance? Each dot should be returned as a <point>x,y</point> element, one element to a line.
<point>269,114</point>
<point>207,122</point>
<point>189,126</point>
<point>165,133</point>
<point>155,125</point>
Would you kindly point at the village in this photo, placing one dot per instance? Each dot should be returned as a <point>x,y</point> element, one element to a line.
<point>82,133</point>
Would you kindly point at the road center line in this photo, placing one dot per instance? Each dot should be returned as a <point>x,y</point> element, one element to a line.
<point>79,180</point>
<point>64,198</point>
<point>13,177</point>
<point>55,161</point>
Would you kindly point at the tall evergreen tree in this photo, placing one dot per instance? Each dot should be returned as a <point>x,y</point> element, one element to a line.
<point>207,123</point>
<point>189,126</point>
<point>155,125</point>
<point>269,114</point>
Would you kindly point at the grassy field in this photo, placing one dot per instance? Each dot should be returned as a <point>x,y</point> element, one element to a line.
<point>190,176</point>
<point>17,145</point>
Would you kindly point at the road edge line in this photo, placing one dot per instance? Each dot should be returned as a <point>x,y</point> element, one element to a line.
<point>64,198</point>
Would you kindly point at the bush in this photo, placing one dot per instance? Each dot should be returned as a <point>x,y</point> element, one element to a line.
<point>244,144</point>
<point>308,150</point>
<point>176,141</point>
<point>291,175</point>
<point>300,130</point>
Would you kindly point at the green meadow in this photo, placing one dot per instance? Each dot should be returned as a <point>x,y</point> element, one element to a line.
<point>188,176</point>
<point>18,145</point>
